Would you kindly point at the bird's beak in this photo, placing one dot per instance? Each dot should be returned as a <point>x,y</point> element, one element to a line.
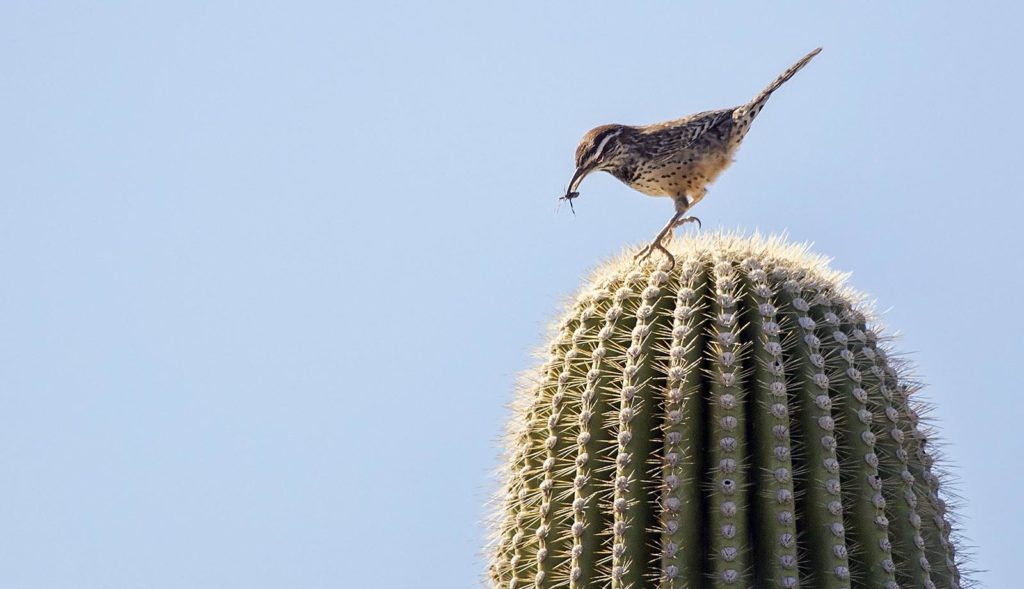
<point>581,173</point>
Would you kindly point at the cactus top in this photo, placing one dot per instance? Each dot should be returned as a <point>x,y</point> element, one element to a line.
<point>733,421</point>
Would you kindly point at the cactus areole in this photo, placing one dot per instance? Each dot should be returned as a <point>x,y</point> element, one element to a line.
<point>734,421</point>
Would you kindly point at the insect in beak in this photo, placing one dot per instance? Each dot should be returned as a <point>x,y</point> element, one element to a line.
<point>570,192</point>
<point>569,196</point>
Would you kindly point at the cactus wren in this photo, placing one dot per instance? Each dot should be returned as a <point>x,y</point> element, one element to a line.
<point>676,158</point>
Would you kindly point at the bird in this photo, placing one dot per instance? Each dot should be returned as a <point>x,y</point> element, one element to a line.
<point>677,158</point>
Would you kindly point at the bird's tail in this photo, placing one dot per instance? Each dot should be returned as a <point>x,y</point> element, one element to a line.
<point>754,106</point>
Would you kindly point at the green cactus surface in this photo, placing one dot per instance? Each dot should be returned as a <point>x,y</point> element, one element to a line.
<point>735,420</point>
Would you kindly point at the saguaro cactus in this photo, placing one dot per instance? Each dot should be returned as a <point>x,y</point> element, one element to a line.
<point>734,421</point>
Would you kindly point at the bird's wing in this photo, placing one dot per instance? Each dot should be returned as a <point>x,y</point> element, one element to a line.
<point>668,138</point>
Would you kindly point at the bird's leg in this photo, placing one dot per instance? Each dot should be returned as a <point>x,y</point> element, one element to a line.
<point>683,204</point>
<point>677,220</point>
<point>656,244</point>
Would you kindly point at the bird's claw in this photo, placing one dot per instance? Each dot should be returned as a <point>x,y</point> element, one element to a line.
<point>658,243</point>
<point>686,220</point>
<point>646,252</point>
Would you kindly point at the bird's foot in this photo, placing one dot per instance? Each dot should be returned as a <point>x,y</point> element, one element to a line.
<point>686,220</point>
<point>569,196</point>
<point>654,246</point>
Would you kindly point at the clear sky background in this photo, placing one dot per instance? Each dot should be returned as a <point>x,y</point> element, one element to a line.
<point>269,272</point>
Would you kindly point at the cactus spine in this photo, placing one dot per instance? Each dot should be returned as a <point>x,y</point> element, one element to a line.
<point>733,421</point>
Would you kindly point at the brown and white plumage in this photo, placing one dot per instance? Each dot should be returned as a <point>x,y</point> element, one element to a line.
<point>676,158</point>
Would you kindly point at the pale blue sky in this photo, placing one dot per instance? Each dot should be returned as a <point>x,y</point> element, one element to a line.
<point>270,271</point>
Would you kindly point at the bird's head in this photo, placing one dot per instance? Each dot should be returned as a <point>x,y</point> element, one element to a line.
<point>600,149</point>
